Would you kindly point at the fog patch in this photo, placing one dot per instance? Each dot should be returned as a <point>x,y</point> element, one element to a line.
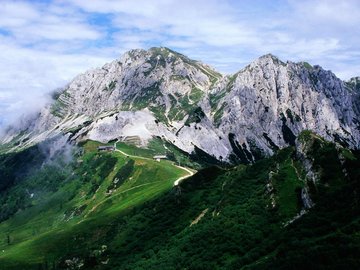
<point>18,115</point>
<point>58,150</point>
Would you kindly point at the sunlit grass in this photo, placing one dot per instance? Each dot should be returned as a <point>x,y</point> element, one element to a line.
<point>44,231</point>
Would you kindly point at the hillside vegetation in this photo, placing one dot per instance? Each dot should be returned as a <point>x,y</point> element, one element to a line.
<point>106,210</point>
<point>55,203</point>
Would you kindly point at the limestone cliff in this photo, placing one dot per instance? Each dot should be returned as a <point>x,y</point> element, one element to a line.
<point>237,118</point>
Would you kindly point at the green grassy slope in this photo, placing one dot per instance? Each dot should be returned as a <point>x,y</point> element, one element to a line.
<point>88,199</point>
<point>238,218</point>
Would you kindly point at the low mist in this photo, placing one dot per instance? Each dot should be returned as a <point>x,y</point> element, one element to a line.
<point>19,114</point>
<point>58,151</point>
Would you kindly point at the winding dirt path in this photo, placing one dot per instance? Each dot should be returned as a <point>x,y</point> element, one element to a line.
<point>176,182</point>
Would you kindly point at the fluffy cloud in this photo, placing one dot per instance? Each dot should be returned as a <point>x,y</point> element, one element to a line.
<point>315,31</point>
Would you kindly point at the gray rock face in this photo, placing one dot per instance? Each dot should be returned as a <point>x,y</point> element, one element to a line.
<point>236,118</point>
<point>269,102</point>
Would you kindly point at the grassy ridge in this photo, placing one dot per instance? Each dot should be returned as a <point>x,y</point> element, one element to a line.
<point>43,232</point>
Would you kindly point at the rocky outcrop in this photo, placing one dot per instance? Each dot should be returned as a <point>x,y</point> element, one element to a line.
<point>269,102</point>
<point>237,118</point>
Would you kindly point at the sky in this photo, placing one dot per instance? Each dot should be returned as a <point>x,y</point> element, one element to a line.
<point>45,43</point>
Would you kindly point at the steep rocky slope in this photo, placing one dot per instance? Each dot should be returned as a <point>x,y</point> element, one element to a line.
<point>269,102</point>
<point>235,118</point>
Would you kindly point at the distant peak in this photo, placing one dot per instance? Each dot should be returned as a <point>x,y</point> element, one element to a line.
<point>270,57</point>
<point>160,49</point>
<point>152,52</point>
<point>164,51</point>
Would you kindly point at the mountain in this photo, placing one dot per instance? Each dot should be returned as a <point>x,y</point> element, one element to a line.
<point>234,118</point>
<point>157,161</point>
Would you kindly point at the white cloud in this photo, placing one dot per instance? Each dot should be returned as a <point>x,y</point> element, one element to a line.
<point>42,48</point>
<point>140,7</point>
<point>329,12</point>
<point>33,23</point>
<point>314,30</point>
<point>16,14</point>
<point>26,75</point>
<point>59,31</point>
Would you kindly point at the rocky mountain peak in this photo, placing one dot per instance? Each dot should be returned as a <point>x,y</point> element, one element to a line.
<point>269,58</point>
<point>241,117</point>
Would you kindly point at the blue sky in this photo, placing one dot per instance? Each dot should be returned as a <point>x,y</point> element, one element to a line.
<point>44,44</point>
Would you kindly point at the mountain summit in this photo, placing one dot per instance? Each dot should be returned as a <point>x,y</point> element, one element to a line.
<point>236,118</point>
<point>118,171</point>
